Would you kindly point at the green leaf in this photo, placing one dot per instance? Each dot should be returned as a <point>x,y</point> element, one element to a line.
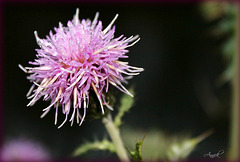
<point>137,154</point>
<point>228,48</point>
<point>226,25</point>
<point>97,145</point>
<point>126,103</point>
<point>180,150</point>
<point>227,75</point>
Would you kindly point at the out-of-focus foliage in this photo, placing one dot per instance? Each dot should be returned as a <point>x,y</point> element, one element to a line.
<point>160,146</point>
<point>212,10</point>
<point>181,149</point>
<point>103,145</point>
<point>225,15</point>
<point>23,149</point>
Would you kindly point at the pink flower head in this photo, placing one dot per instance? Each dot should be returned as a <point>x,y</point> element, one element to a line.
<point>77,59</point>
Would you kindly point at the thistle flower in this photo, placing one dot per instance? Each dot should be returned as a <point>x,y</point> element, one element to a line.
<point>77,59</point>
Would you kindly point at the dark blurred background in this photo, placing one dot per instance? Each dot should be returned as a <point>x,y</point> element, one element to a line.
<point>176,93</point>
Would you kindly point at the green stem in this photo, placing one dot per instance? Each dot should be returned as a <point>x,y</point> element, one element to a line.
<point>234,142</point>
<point>114,134</point>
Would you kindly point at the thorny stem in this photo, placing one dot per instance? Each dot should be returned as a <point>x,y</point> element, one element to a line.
<point>114,134</point>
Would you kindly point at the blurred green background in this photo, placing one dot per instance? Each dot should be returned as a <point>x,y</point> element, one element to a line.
<point>176,94</point>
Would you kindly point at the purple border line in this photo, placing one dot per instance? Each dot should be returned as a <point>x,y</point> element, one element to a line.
<point>2,2</point>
